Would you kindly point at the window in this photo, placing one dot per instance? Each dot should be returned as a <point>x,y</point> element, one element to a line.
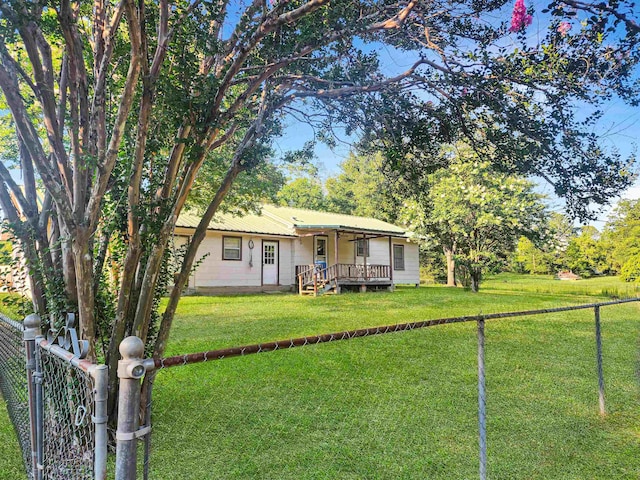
<point>232,248</point>
<point>362,247</point>
<point>269,254</point>
<point>398,257</point>
<point>321,248</point>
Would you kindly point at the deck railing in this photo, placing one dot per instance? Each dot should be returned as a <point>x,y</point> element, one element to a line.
<point>306,275</point>
<point>354,272</point>
<point>312,274</point>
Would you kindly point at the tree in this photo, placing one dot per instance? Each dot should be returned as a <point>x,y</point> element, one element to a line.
<point>548,253</point>
<point>362,188</point>
<point>621,239</point>
<point>118,105</point>
<point>303,192</point>
<point>477,214</point>
<point>585,253</point>
<point>531,259</point>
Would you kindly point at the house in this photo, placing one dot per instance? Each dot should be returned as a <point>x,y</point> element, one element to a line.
<point>290,248</point>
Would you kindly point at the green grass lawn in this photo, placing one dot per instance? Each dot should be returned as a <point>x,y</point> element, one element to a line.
<point>11,466</point>
<point>403,405</point>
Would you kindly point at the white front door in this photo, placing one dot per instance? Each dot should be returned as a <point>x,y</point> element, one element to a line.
<point>320,250</point>
<point>269,263</point>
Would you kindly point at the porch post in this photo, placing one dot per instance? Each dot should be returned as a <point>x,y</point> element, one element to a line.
<point>390,259</point>
<point>366,252</point>
<point>336,256</point>
<point>391,262</point>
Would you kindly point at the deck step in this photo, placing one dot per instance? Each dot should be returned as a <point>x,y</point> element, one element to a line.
<point>323,287</point>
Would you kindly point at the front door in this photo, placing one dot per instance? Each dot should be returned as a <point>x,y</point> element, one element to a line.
<point>320,250</point>
<point>269,263</point>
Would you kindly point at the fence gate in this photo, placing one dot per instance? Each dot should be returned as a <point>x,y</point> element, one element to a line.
<point>56,400</point>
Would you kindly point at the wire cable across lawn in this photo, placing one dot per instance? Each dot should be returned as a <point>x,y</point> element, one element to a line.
<point>364,332</point>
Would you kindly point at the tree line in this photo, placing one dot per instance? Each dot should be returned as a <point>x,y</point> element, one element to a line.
<point>587,251</point>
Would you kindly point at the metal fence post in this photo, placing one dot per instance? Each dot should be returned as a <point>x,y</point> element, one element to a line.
<point>100,376</point>
<point>31,331</point>
<point>482,412</point>
<point>599,361</point>
<point>130,370</point>
<point>38,378</point>
<point>147,438</point>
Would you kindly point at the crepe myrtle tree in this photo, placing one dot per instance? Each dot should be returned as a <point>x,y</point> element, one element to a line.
<point>118,105</point>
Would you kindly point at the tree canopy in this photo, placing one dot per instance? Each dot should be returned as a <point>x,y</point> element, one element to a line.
<point>303,192</point>
<point>549,253</point>
<point>475,213</point>
<point>364,188</point>
<point>621,238</point>
<point>585,253</point>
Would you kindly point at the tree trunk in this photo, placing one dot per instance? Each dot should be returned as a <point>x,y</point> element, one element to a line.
<point>83,260</point>
<point>68,264</point>
<point>476,276</point>
<point>451,268</point>
<point>35,275</point>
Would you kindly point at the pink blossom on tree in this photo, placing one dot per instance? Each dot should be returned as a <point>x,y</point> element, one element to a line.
<point>564,28</point>
<point>519,18</point>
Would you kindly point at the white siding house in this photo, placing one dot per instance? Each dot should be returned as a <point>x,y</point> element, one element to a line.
<point>288,248</point>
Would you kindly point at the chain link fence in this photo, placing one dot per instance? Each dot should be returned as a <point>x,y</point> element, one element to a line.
<point>13,383</point>
<point>163,391</point>
<point>67,408</point>
<point>56,401</point>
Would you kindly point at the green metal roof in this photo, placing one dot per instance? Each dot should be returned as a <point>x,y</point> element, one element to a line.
<point>286,220</point>
<point>311,219</point>
<point>249,223</point>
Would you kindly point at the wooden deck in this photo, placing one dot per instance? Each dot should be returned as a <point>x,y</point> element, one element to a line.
<point>313,280</point>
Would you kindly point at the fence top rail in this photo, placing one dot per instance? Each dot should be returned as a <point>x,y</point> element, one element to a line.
<point>17,325</point>
<point>57,351</point>
<point>364,332</point>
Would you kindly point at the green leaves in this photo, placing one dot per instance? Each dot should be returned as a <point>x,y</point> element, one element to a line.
<point>477,212</point>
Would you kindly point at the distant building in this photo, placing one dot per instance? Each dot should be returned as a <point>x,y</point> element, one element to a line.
<point>567,275</point>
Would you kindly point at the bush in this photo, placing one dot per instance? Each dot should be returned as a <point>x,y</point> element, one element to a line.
<point>630,271</point>
<point>430,274</point>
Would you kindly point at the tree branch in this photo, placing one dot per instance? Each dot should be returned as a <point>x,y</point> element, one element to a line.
<point>126,101</point>
<point>29,136</point>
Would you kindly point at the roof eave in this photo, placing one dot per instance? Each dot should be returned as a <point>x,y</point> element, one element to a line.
<point>248,232</point>
<point>350,229</point>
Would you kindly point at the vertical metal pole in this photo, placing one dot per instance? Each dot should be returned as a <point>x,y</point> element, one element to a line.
<point>599,361</point>
<point>130,371</point>
<point>38,378</point>
<point>100,376</point>
<point>31,331</point>
<point>482,413</point>
<point>147,421</point>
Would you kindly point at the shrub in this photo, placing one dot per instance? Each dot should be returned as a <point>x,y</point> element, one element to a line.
<point>630,271</point>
